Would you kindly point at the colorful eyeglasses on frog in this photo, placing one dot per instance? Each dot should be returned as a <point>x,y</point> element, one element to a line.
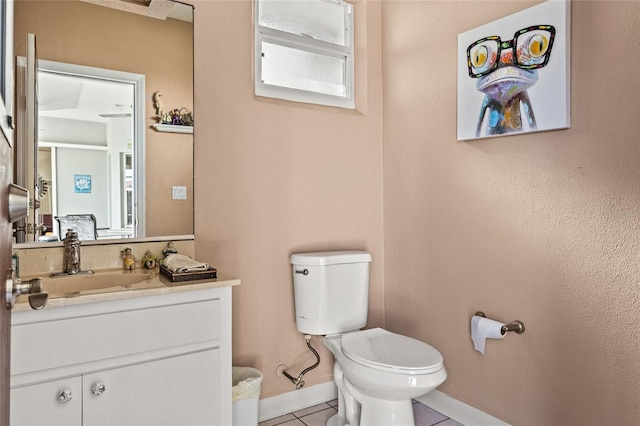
<point>531,48</point>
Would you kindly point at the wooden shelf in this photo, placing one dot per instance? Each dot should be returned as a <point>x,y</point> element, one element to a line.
<point>171,128</point>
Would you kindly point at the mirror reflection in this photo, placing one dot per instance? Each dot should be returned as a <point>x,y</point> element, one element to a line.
<point>90,155</point>
<point>86,136</point>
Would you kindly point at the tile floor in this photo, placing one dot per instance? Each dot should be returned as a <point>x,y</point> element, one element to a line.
<point>319,414</point>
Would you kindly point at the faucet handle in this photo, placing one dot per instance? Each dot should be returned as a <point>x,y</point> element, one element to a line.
<point>71,236</point>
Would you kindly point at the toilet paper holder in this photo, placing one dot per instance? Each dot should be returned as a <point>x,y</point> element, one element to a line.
<point>517,326</point>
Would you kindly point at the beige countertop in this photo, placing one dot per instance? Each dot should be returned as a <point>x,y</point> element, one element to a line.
<point>115,284</point>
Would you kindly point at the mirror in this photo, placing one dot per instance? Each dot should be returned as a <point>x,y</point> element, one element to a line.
<point>75,35</point>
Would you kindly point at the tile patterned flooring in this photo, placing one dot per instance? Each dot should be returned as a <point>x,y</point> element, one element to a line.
<point>319,414</point>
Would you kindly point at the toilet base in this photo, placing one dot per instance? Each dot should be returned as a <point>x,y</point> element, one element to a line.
<point>335,420</point>
<point>355,408</point>
<point>381,412</point>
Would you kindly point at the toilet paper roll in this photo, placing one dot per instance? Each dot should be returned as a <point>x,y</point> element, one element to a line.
<point>483,329</point>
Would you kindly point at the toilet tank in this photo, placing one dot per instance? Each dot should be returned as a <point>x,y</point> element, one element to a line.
<point>331,291</point>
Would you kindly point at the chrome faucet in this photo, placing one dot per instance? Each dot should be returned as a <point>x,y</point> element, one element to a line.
<point>71,256</point>
<point>71,252</point>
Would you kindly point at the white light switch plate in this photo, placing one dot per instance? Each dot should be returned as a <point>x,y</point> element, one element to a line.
<point>179,192</point>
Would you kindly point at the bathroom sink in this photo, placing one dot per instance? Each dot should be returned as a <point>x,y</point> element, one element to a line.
<point>100,280</point>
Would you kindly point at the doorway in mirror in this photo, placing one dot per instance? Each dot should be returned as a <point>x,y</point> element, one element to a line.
<point>90,143</point>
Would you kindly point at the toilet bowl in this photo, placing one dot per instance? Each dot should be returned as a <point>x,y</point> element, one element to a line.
<point>377,372</point>
<point>382,372</point>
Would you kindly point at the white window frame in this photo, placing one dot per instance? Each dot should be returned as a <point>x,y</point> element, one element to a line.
<point>306,43</point>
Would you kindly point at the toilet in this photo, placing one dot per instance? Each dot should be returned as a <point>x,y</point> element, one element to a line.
<point>377,372</point>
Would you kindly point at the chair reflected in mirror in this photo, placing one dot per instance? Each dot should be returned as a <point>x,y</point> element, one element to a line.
<point>84,224</point>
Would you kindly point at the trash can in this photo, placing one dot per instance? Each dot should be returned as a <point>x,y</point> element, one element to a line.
<point>246,383</point>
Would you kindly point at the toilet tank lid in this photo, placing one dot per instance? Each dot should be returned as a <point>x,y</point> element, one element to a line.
<point>321,258</point>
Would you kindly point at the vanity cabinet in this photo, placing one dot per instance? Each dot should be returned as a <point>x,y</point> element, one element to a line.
<point>56,403</point>
<point>149,393</point>
<point>157,360</point>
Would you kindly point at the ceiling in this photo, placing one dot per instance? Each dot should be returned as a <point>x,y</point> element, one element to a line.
<point>73,109</point>
<point>159,9</point>
<point>80,98</point>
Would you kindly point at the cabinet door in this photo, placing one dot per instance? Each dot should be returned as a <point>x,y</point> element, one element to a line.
<point>50,404</point>
<point>173,391</point>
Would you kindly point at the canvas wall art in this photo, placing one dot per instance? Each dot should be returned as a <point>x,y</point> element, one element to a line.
<point>513,73</point>
<point>82,184</point>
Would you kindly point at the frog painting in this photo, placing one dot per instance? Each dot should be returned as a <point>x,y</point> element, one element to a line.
<point>506,72</point>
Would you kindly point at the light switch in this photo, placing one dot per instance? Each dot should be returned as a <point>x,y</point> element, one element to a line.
<point>179,192</point>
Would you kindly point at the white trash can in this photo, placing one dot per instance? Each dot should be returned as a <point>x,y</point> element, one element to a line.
<point>246,383</point>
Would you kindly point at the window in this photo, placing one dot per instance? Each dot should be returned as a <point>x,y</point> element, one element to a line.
<point>304,51</point>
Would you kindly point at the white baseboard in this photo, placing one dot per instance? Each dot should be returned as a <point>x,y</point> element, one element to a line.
<point>289,402</point>
<point>458,410</point>
<point>296,400</point>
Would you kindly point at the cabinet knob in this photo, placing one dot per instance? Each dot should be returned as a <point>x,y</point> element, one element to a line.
<point>64,396</point>
<point>98,388</point>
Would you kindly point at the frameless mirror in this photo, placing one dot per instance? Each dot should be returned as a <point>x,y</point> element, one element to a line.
<point>97,142</point>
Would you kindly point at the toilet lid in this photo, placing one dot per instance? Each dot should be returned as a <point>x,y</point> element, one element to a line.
<point>380,349</point>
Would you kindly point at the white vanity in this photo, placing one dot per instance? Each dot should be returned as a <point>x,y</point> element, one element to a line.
<point>150,352</point>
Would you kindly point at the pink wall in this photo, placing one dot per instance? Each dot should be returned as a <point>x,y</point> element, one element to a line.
<point>541,227</point>
<point>273,178</point>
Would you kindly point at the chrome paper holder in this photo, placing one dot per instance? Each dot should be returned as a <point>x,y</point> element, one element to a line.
<point>517,326</point>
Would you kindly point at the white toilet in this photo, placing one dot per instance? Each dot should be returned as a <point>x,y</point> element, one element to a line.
<point>377,372</point>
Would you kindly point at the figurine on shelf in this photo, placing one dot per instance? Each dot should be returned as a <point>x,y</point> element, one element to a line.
<point>169,250</point>
<point>149,261</point>
<point>128,259</point>
<point>176,120</point>
<point>186,116</point>
<point>158,105</point>
<point>175,117</point>
<point>180,117</point>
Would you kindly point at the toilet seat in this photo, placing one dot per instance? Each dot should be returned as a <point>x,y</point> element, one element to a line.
<point>383,350</point>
